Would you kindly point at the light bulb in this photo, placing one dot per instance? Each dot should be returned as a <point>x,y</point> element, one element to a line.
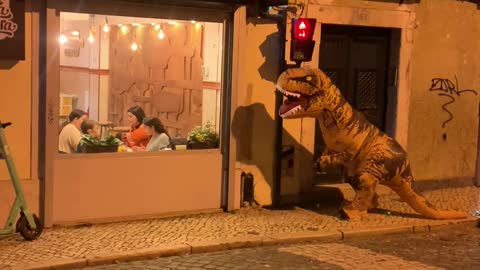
<point>161,34</point>
<point>106,28</point>
<point>172,23</point>
<point>62,39</point>
<point>157,26</point>
<point>91,39</point>
<point>134,46</point>
<point>75,33</point>
<point>193,22</point>
<point>124,29</point>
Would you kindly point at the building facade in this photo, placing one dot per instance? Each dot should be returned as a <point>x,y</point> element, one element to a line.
<point>224,71</point>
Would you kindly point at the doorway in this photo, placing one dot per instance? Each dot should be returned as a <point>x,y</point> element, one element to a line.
<point>362,63</point>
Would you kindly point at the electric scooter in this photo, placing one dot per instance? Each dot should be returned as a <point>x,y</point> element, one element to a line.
<point>28,224</point>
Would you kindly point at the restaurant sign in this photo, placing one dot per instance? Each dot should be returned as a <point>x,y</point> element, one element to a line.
<point>12,29</point>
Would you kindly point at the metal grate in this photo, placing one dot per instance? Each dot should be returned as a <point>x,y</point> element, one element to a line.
<point>366,90</point>
<point>333,75</point>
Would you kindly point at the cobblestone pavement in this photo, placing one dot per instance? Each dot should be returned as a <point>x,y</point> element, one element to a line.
<point>452,247</point>
<point>80,242</point>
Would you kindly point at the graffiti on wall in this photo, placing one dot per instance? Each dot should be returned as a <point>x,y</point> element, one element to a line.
<point>446,88</point>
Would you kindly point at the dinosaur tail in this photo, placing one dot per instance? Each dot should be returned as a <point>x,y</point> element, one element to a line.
<point>421,205</point>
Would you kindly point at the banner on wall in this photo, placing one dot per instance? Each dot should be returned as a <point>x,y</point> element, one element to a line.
<point>12,29</point>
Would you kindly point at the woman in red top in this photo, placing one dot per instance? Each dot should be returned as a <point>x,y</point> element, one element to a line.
<point>137,135</point>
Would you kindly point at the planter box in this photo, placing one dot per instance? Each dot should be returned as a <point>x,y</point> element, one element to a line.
<point>98,149</point>
<point>199,145</point>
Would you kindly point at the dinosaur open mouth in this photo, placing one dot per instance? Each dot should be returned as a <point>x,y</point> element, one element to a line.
<point>292,104</point>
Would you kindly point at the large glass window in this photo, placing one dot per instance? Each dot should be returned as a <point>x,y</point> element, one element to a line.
<point>138,84</point>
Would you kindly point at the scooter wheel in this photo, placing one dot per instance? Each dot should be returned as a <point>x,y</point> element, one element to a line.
<point>24,228</point>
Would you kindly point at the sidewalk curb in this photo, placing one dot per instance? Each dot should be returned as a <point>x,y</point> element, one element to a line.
<point>349,234</point>
<point>235,243</point>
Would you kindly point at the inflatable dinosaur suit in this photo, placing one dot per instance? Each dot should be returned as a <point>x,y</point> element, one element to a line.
<point>370,156</point>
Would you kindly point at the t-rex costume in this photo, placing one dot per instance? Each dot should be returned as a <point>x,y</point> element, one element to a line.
<point>369,155</point>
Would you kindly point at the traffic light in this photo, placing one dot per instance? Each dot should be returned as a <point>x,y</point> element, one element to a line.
<point>302,43</point>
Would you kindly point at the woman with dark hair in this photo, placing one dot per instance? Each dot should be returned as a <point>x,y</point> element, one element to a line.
<point>137,135</point>
<point>71,135</point>
<point>159,140</point>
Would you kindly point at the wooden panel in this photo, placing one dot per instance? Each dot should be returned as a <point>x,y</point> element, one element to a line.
<point>164,76</point>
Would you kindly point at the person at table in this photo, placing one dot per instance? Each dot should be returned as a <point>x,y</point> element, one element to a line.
<point>91,128</point>
<point>71,135</point>
<point>160,138</point>
<point>137,135</point>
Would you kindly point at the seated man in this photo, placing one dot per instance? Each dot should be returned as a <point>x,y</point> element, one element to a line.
<point>70,135</point>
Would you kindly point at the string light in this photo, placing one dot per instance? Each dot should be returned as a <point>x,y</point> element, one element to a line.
<point>134,46</point>
<point>161,34</point>
<point>91,38</point>
<point>62,39</point>
<point>106,28</point>
<point>93,29</point>
<point>124,29</point>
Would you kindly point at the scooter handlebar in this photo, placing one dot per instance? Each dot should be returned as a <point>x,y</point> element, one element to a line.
<point>4,125</point>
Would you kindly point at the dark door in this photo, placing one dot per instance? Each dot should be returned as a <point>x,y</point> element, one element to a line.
<point>355,59</point>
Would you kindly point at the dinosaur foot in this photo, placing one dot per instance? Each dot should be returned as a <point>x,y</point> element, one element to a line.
<point>350,213</point>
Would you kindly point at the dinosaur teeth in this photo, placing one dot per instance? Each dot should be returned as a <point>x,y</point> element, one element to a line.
<point>287,93</point>
<point>292,111</point>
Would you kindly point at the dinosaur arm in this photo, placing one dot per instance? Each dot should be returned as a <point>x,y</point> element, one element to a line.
<point>331,160</point>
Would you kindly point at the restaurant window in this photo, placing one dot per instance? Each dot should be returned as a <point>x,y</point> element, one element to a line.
<point>110,66</point>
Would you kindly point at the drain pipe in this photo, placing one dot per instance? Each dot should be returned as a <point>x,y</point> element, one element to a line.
<point>280,19</point>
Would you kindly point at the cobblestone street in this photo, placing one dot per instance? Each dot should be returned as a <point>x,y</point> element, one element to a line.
<point>104,243</point>
<point>452,247</point>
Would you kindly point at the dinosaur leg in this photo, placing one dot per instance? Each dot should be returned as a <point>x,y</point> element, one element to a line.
<point>364,184</point>
<point>403,188</point>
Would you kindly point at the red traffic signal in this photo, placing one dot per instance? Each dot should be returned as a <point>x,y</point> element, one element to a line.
<point>302,43</point>
<point>303,28</point>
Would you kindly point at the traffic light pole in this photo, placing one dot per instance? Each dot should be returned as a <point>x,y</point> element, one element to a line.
<point>281,20</point>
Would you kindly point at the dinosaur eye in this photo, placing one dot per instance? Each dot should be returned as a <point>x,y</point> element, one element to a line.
<point>306,79</point>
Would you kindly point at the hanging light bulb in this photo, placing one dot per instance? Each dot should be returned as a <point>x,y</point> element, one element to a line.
<point>106,28</point>
<point>62,39</point>
<point>134,46</point>
<point>91,38</point>
<point>193,22</point>
<point>157,26</point>
<point>124,29</point>
<point>161,34</point>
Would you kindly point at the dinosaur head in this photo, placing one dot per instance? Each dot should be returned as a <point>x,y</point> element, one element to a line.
<point>308,92</point>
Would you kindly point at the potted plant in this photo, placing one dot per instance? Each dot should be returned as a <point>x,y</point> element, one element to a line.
<point>89,144</point>
<point>202,137</point>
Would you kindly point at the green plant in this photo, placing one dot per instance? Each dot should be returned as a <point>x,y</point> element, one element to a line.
<point>203,134</point>
<point>88,140</point>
